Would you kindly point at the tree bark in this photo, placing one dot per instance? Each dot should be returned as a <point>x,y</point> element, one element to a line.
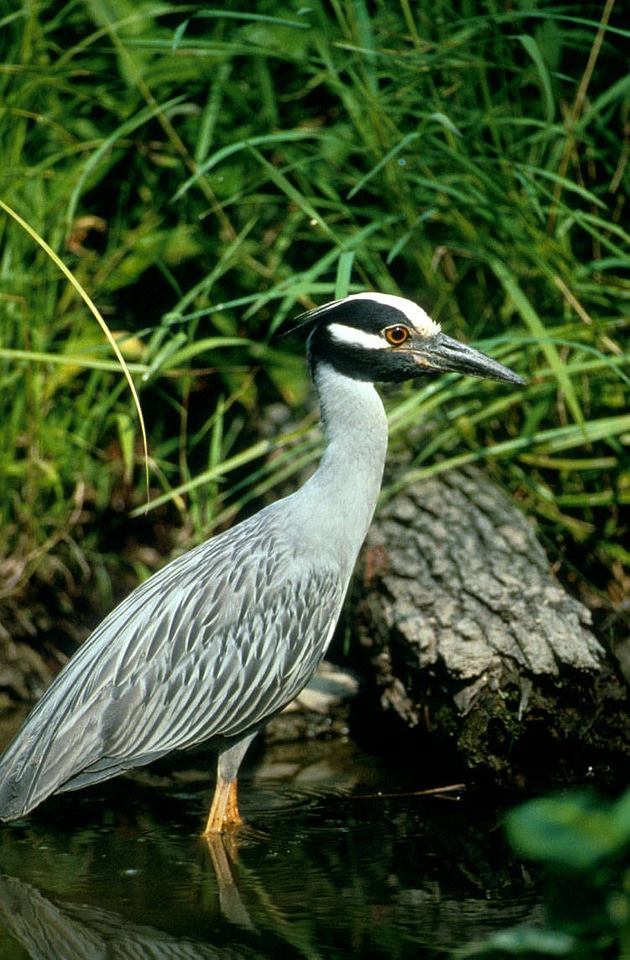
<point>473,644</point>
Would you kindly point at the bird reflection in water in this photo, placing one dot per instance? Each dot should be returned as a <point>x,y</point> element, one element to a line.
<point>50,928</point>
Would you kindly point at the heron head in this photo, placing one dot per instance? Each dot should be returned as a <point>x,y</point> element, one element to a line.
<point>380,337</point>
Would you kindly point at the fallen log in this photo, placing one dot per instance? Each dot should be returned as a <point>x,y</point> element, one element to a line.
<point>469,641</point>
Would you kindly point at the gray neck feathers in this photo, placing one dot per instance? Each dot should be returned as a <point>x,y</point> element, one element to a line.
<point>341,496</point>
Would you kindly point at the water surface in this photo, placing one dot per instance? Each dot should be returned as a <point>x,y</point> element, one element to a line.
<point>337,859</point>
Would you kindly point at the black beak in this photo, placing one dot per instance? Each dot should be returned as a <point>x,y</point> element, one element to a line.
<point>448,355</point>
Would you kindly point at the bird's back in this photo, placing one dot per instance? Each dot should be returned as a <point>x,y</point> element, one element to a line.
<point>206,650</point>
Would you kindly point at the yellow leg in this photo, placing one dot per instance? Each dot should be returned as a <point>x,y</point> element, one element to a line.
<point>224,809</point>
<point>231,814</point>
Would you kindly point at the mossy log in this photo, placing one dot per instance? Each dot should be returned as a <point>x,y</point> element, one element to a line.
<point>472,643</point>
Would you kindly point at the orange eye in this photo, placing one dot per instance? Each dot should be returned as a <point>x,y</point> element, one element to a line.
<point>397,335</point>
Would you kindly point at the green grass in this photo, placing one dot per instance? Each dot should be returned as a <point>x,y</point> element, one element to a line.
<point>208,173</point>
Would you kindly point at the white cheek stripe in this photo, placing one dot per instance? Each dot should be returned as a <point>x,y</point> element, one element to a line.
<point>356,338</point>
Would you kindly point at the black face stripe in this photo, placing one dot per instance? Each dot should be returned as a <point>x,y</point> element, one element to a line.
<point>358,361</point>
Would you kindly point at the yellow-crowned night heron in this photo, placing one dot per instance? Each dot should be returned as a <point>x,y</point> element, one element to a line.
<point>221,639</point>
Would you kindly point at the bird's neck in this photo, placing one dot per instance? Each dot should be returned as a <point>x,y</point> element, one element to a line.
<point>345,488</point>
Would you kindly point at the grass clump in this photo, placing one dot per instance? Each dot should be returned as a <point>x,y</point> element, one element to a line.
<point>207,172</point>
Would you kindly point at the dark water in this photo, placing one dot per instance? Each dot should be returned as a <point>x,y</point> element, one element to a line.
<point>336,860</point>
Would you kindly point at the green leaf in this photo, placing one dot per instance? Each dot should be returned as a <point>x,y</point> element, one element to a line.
<point>577,832</point>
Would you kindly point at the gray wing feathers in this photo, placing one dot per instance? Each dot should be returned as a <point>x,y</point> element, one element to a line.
<point>211,646</point>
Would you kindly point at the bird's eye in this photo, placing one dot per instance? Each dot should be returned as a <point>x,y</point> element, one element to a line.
<point>397,335</point>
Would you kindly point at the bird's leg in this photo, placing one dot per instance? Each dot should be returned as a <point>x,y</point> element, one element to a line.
<point>231,814</point>
<point>224,809</point>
